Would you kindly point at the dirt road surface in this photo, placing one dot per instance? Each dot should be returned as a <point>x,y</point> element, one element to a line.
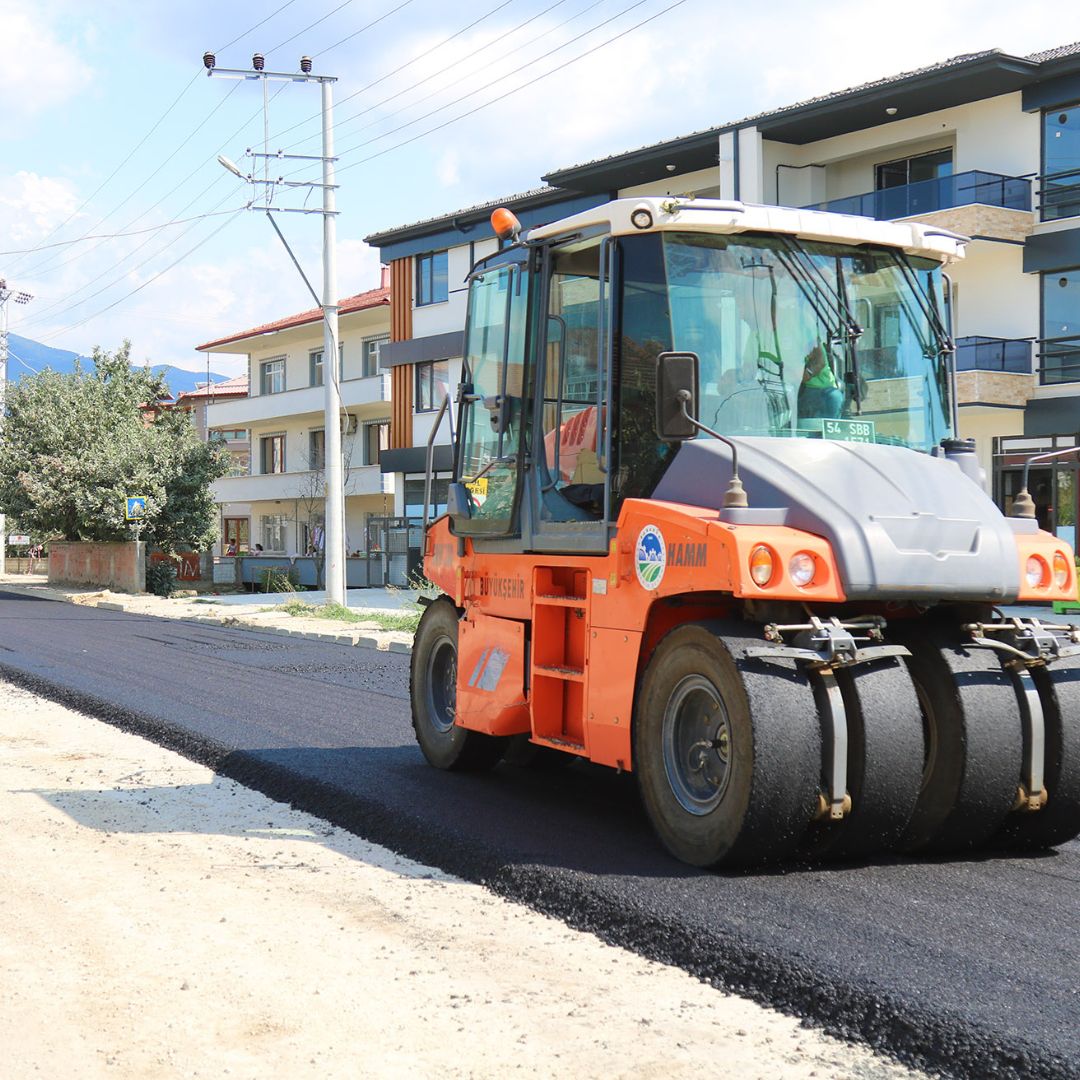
<point>159,921</point>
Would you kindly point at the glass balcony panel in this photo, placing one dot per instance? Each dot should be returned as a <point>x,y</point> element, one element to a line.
<point>977,353</point>
<point>942,193</point>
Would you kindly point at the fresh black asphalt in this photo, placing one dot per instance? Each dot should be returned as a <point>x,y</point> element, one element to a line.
<point>969,966</point>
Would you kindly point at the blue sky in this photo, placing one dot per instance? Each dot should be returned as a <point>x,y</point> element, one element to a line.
<point>110,126</point>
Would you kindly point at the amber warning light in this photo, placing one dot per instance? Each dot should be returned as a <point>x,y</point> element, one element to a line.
<point>505,224</point>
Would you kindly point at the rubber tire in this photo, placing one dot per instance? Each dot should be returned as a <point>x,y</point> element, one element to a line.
<point>886,751</point>
<point>1059,820</point>
<point>975,741</point>
<point>457,748</point>
<point>775,756</point>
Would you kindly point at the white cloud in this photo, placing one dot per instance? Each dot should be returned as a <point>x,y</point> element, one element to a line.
<point>40,71</point>
<point>31,206</point>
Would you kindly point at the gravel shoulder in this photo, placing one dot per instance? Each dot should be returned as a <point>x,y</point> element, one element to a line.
<point>172,923</point>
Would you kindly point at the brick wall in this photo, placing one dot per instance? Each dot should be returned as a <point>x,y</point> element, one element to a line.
<point>120,566</point>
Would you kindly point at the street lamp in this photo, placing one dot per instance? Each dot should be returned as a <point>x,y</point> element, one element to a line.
<point>7,293</point>
<point>334,526</point>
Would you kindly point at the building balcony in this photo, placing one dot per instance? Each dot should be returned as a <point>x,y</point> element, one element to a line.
<point>942,193</point>
<point>1013,355</point>
<point>363,480</point>
<point>1059,361</point>
<point>994,371</point>
<point>1059,195</point>
<point>308,400</point>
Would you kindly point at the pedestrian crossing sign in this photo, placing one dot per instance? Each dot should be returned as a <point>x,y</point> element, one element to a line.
<point>136,507</point>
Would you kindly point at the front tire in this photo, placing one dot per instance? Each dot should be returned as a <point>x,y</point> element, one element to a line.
<point>433,693</point>
<point>727,751</point>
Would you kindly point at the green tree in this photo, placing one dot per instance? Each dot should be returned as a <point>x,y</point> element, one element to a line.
<point>74,446</point>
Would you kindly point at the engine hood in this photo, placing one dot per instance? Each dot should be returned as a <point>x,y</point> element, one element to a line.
<point>902,525</point>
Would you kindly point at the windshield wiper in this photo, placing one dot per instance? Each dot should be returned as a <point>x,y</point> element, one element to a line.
<point>842,326</point>
<point>927,306</point>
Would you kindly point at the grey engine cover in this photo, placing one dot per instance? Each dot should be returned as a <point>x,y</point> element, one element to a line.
<point>902,525</point>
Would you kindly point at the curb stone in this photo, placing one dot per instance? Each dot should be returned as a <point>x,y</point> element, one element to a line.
<point>367,642</point>
<point>400,647</point>
<point>108,605</point>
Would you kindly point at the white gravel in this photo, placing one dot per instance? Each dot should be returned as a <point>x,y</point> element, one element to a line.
<point>159,921</point>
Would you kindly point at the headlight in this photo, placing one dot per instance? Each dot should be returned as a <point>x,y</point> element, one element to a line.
<point>761,565</point>
<point>1061,570</point>
<point>801,568</point>
<point>1036,572</point>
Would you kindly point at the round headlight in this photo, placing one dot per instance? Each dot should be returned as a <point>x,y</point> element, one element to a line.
<point>801,568</point>
<point>761,565</point>
<point>1036,572</point>
<point>1061,570</point>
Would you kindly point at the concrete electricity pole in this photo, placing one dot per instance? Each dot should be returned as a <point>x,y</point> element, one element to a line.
<point>334,485</point>
<point>7,293</point>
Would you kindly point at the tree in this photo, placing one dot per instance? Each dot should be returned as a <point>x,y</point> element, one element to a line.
<point>74,446</point>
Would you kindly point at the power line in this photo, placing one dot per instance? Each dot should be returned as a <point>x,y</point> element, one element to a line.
<point>160,120</point>
<point>138,289</point>
<point>41,313</point>
<point>457,64</point>
<point>514,90</point>
<point>506,75</point>
<point>219,178</point>
<point>118,235</point>
<point>311,26</point>
<point>50,261</point>
<point>399,68</point>
<point>356,33</point>
<point>468,74</point>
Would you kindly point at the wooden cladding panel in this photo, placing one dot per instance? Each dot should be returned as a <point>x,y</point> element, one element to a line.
<point>401,378</point>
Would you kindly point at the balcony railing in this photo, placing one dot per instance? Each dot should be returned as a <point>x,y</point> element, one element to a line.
<point>1060,360</point>
<point>1012,355</point>
<point>942,193</point>
<point>1059,196</point>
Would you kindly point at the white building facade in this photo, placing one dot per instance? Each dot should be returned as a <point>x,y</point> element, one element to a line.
<point>987,145</point>
<point>279,502</point>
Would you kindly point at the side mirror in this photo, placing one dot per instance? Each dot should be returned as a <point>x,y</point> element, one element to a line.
<point>457,503</point>
<point>676,377</point>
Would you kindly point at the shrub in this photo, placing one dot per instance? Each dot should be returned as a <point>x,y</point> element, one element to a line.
<point>278,579</point>
<point>161,577</point>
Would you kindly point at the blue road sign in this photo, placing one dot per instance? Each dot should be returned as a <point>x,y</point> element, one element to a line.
<point>136,507</point>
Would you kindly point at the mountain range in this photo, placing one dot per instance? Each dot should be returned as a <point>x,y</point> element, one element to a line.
<point>25,356</point>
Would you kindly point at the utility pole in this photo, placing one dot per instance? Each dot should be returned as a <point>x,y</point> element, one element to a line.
<point>333,482</point>
<point>7,293</point>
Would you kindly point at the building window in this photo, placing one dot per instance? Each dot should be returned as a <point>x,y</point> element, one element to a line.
<point>274,527</point>
<point>229,435</point>
<point>315,365</point>
<point>912,170</point>
<point>376,438</point>
<point>317,449</point>
<point>273,453</point>
<point>371,347</point>
<point>432,384</point>
<point>1060,326</point>
<point>431,279</point>
<point>236,535</point>
<point>272,376</point>
<point>1061,163</point>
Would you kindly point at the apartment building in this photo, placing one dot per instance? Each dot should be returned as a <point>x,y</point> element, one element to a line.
<point>277,501</point>
<point>986,144</point>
